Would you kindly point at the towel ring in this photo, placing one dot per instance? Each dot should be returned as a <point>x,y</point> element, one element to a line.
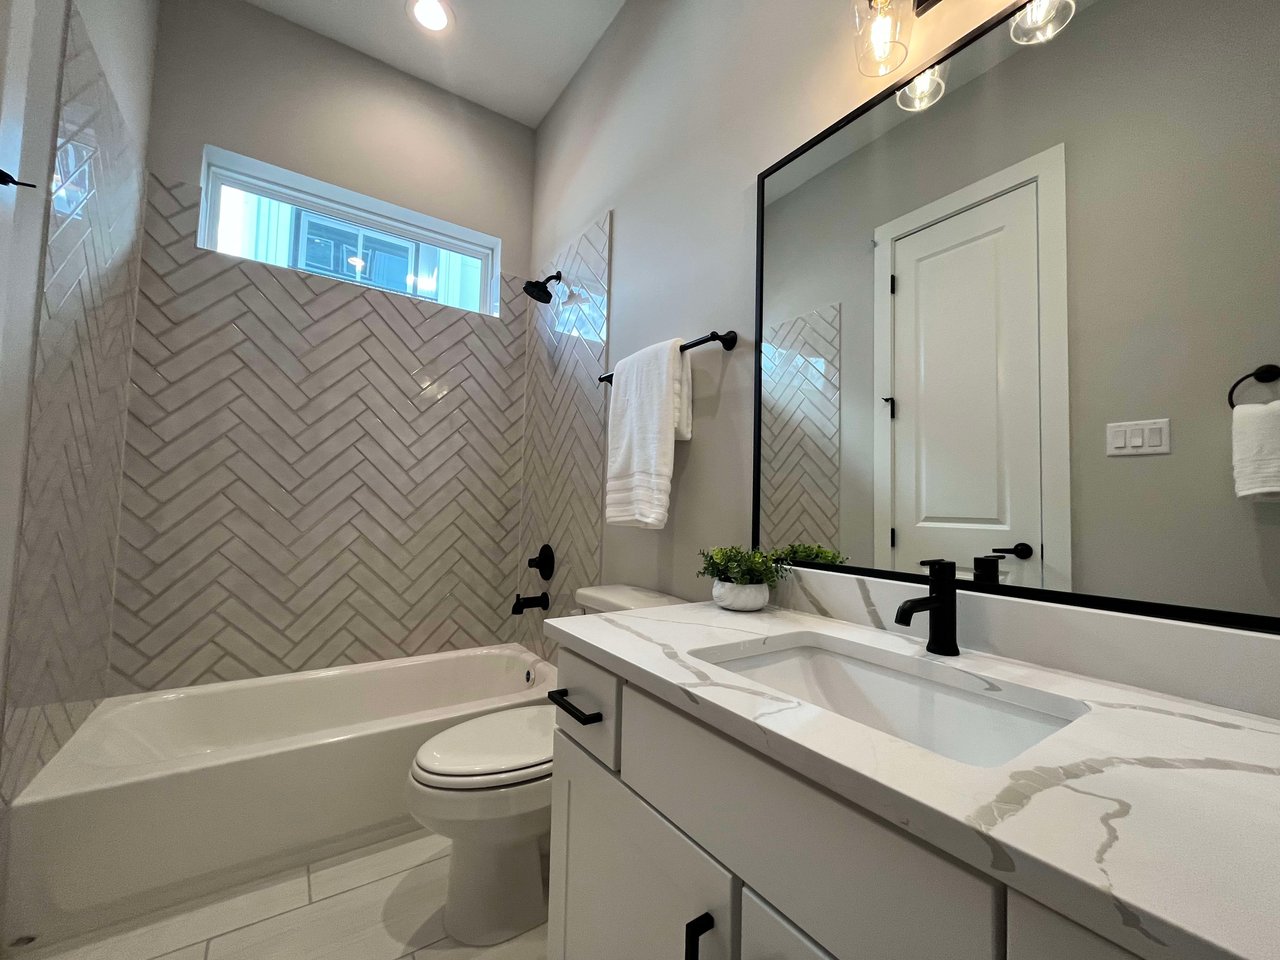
<point>1267,373</point>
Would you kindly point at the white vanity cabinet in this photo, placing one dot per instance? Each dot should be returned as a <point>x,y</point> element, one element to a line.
<point>768,935</point>
<point>1037,933</point>
<point>626,884</point>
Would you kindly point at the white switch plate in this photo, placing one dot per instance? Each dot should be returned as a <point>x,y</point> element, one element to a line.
<point>1138,438</point>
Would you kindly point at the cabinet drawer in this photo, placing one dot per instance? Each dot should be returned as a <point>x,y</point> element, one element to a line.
<point>861,889</point>
<point>768,935</point>
<point>1037,933</point>
<point>591,690</point>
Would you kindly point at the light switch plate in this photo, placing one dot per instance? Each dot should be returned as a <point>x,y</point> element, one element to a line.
<point>1138,438</point>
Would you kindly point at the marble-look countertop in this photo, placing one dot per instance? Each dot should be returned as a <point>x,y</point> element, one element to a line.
<point>1153,821</point>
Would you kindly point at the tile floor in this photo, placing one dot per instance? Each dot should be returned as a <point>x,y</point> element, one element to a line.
<point>383,902</point>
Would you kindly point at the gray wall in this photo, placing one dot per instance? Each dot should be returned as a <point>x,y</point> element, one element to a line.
<point>1173,196</point>
<point>234,76</point>
<point>668,123</point>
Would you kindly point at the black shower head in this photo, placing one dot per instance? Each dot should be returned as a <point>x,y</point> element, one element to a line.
<point>540,290</point>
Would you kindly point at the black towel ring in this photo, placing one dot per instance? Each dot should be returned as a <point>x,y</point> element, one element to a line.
<point>1267,373</point>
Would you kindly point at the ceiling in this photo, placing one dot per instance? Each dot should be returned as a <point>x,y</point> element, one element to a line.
<point>513,56</point>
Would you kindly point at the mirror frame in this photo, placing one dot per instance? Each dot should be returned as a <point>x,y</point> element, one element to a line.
<point>1229,619</point>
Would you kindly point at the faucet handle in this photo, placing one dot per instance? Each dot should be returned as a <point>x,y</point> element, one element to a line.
<point>931,563</point>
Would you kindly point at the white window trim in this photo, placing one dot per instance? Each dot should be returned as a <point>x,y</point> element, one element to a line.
<point>224,168</point>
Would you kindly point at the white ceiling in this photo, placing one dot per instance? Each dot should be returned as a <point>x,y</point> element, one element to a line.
<point>513,56</point>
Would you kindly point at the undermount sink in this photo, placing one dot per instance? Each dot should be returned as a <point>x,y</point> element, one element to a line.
<point>941,707</point>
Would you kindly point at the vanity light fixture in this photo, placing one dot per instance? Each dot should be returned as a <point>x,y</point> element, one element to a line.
<point>883,34</point>
<point>1041,20</point>
<point>431,15</point>
<point>925,90</point>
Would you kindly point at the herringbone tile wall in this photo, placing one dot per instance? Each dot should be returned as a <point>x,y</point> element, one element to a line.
<point>564,449</point>
<point>66,556</point>
<point>800,431</point>
<point>317,473</point>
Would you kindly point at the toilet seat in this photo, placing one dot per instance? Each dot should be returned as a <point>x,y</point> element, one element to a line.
<point>496,750</point>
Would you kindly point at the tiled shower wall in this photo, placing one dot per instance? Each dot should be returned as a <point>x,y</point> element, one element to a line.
<point>800,430</point>
<point>564,448</point>
<point>66,556</point>
<point>316,474</point>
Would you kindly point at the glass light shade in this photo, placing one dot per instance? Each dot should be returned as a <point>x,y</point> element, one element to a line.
<point>925,90</point>
<point>431,14</point>
<point>882,30</point>
<point>1041,20</point>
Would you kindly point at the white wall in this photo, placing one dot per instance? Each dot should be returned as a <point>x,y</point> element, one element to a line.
<point>668,123</point>
<point>124,36</point>
<point>232,75</point>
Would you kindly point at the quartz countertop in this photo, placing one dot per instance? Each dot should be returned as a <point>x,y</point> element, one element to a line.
<point>1152,820</point>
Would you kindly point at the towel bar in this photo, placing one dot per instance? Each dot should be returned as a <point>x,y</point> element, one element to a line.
<point>1267,373</point>
<point>727,340</point>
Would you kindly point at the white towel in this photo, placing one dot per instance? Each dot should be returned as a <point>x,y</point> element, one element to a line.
<point>650,408</point>
<point>1255,437</point>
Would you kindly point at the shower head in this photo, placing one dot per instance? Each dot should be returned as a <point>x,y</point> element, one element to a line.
<point>540,290</point>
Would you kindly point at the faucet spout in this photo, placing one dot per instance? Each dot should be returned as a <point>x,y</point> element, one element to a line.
<point>909,608</point>
<point>941,605</point>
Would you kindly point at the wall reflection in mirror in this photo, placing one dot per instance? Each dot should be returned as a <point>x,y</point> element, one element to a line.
<point>1002,309</point>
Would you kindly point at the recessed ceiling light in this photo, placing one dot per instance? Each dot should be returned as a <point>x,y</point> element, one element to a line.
<point>432,15</point>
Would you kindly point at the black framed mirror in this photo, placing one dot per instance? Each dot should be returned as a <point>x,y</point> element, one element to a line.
<point>1000,307</point>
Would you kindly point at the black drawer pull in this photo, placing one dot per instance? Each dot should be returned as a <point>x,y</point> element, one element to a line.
<point>693,932</point>
<point>561,699</point>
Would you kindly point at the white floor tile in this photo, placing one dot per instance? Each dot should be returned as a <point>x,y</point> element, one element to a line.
<point>189,924</point>
<point>384,920</point>
<point>529,946</point>
<point>350,870</point>
<point>193,952</point>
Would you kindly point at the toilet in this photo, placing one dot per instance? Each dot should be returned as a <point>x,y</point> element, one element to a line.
<point>486,785</point>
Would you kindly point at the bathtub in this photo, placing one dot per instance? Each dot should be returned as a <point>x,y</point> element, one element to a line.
<point>162,797</point>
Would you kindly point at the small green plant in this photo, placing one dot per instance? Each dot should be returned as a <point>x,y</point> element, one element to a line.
<point>806,553</point>
<point>738,565</point>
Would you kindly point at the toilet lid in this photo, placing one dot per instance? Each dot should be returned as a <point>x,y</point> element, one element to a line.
<point>497,743</point>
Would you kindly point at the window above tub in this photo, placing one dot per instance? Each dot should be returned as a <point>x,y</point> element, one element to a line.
<point>262,212</point>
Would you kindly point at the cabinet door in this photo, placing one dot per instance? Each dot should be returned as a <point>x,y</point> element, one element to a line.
<point>768,935</point>
<point>1037,933</point>
<point>625,882</point>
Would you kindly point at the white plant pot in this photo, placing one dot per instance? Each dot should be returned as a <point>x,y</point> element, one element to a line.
<point>744,597</point>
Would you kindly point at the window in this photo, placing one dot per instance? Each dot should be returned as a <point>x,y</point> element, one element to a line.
<point>260,212</point>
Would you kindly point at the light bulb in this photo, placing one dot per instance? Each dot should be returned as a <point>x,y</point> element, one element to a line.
<point>883,29</point>
<point>431,14</point>
<point>881,37</point>
<point>924,91</point>
<point>1041,20</point>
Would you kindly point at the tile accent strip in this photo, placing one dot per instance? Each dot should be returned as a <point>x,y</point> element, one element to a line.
<point>317,473</point>
<point>800,431</point>
<point>564,450</point>
<point>66,555</point>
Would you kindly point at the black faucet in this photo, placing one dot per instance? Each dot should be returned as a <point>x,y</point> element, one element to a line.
<point>941,604</point>
<point>540,602</point>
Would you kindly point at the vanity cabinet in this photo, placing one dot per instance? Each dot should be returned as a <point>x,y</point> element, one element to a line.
<point>1037,933</point>
<point>768,935</point>
<point>625,883</point>
<point>591,690</point>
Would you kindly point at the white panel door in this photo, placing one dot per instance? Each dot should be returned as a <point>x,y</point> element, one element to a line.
<point>625,883</point>
<point>966,379</point>
<point>1037,933</point>
<point>768,935</point>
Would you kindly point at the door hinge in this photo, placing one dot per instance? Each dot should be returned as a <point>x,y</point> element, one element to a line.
<point>893,538</point>
<point>893,284</point>
<point>893,406</point>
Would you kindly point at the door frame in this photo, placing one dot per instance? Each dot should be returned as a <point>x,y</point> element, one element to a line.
<point>1048,172</point>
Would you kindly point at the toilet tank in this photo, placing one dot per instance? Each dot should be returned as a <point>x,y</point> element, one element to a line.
<point>608,599</point>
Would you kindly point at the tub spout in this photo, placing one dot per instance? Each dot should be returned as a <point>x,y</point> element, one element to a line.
<point>541,602</point>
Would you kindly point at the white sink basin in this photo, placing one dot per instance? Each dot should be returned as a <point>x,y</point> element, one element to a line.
<point>941,707</point>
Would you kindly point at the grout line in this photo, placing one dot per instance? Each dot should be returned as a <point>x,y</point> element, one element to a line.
<point>207,947</point>
<point>310,897</point>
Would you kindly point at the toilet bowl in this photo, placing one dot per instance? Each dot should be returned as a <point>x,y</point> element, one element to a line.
<point>486,785</point>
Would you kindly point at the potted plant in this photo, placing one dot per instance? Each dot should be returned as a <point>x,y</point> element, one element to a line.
<point>806,553</point>
<point>742,577</point>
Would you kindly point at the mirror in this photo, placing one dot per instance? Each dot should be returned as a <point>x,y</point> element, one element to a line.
<point>1002,308</point>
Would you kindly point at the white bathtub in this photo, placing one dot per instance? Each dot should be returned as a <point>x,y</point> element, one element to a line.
<point>164,796</point>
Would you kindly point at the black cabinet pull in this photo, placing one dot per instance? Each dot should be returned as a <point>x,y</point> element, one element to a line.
<point>561,699</point>
<point>693,932</point>
<point>1023,551</point>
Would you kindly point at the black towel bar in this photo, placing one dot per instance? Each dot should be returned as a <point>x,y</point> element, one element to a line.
<point>727,340</point>
<point>1267,373</point>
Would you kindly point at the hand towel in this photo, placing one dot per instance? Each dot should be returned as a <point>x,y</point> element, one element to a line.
<point>1255,436</point>
<point>650,408</point>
